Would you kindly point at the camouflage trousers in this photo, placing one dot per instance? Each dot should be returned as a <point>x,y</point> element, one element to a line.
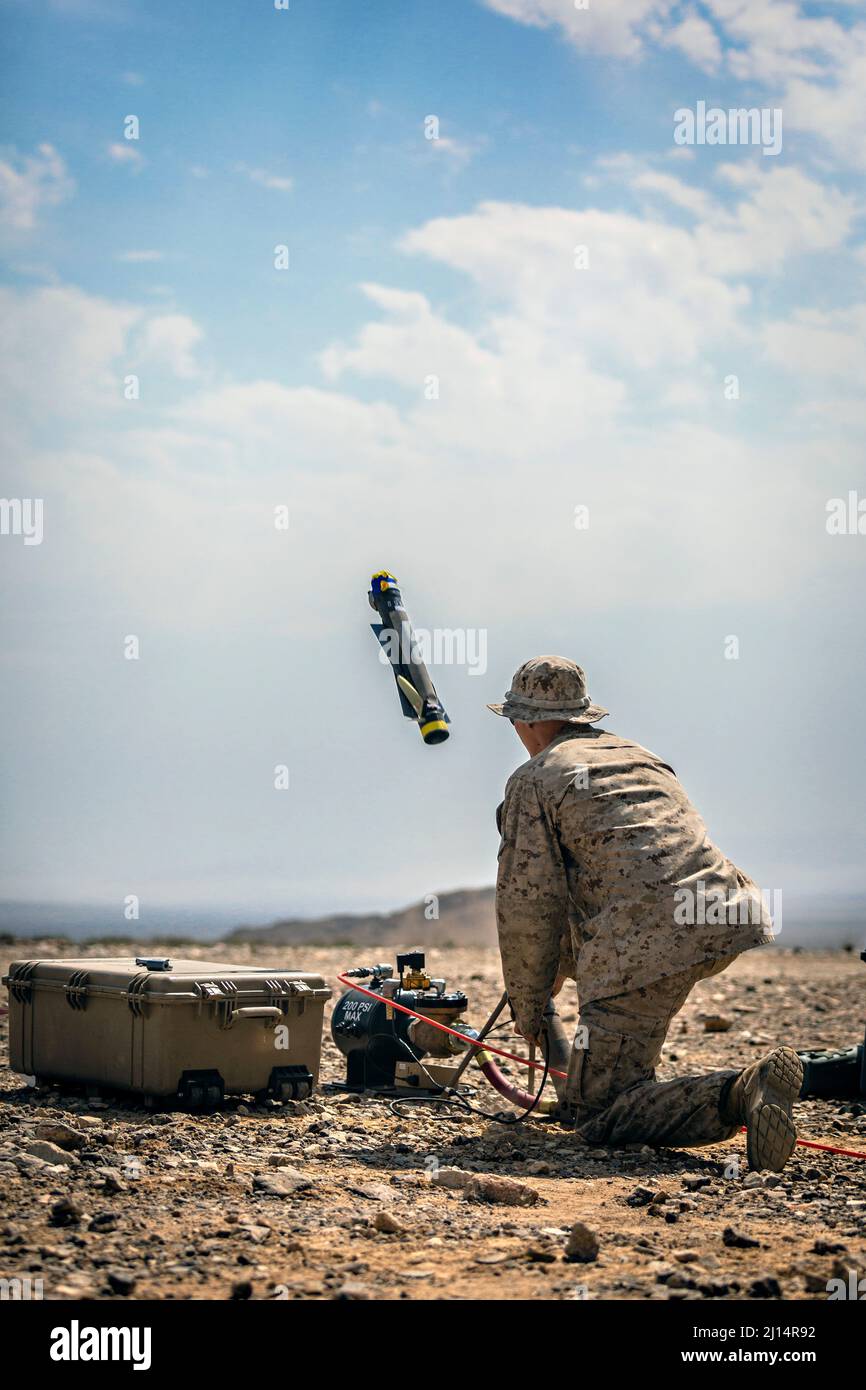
<point>611,1088</point>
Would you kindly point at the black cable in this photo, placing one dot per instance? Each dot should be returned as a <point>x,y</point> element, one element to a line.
<point>454,1098</point>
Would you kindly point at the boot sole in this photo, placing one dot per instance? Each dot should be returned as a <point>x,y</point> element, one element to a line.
<point>770,1132</point>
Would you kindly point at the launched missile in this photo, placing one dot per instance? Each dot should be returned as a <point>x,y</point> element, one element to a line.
<point>418,698</point>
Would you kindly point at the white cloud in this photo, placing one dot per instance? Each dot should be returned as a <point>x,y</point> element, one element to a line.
<point>697,39</point>
<point>124,152</point>
<point>458,152</point>
<point>815,344</point>
<point>29,184</point>
<point>277,182</point>
<point>139,257</point>
<point>169,340</point>
<point>812,66</point>
<point>61,353</point>
<point>783,213</point>
<point>614,28</point>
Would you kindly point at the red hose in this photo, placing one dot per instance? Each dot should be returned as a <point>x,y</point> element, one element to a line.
<point>443,1027</point>
<point>515,1095</point>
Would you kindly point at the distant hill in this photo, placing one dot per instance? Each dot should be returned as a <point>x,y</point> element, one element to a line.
<point>465,918</point>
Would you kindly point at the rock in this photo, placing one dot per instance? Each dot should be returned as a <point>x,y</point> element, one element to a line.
<point>65,1213</point>
<point>537,1168</point>
<point>692,1182</point>
<point>351,1292</point>
<point>506,1192</point>
<point>258,1234</point>
<point>767,1286</point>
<point>285,1182</point>
<point>48,1153</point>
<point>738,1240</point>
<point>389,1224</point>
<point>62,1135</point>
<point>541,1254</point>
<point>641,1197</point>
<point>451,1177</point>
<point>374,1191</point>
<point>685,1257</point>
<point>828,1247</point>
<point>714,1288</point>
<point>121,1281</point>
<point>104,1221</point>
<point>714,1023</point>
<point>241,1291</point>
<point>582,1245</point>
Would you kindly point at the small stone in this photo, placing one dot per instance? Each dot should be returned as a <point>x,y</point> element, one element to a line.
<point>65,1213</point>
<point>49,1153</point>
<point>714,1023</point>
<point>351,1292</point>
<point>451,1177</point>
<point>738,1240</point>
<point>241,1291</point>
<point>285,1182</point>
<point>501,1191</point>
<point>692,1182</point>
<point>582,1245</point>
<point>641,1197</point>
<point>541,1255</point>
<point>64,1136</point>
<point>389,1224</point>
<point>685,1257</point>
<point>121,1281</point>
<point>104,1221</point>
<point>374,1191</point>
<point>765,1287</point>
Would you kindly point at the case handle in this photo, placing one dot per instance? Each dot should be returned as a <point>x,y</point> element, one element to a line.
<point>254,1011</point>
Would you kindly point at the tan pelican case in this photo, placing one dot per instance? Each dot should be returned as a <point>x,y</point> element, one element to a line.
<point>185,1028</point>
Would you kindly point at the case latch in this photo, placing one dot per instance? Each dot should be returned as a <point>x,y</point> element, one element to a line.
<point>76,989</point>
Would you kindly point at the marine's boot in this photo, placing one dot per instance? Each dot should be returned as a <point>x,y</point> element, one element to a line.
<point>761,1098</point>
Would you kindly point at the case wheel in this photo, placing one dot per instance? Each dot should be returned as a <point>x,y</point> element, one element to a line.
<point>290,1083</point>
<point>201,1089</point>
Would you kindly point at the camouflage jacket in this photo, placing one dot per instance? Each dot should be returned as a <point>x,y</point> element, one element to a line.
<point>607,874</point>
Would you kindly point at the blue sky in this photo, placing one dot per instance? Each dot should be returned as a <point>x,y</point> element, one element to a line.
<point>559,387</point>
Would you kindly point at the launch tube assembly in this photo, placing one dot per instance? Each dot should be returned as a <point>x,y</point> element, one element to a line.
<point>418,698</point>
<point>387,1027</point>
<point>404,1016</point>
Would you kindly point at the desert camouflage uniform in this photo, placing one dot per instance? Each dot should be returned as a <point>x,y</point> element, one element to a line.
<point>598,839</point>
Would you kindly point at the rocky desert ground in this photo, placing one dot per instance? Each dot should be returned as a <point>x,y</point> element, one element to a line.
<point>341,1198</point>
